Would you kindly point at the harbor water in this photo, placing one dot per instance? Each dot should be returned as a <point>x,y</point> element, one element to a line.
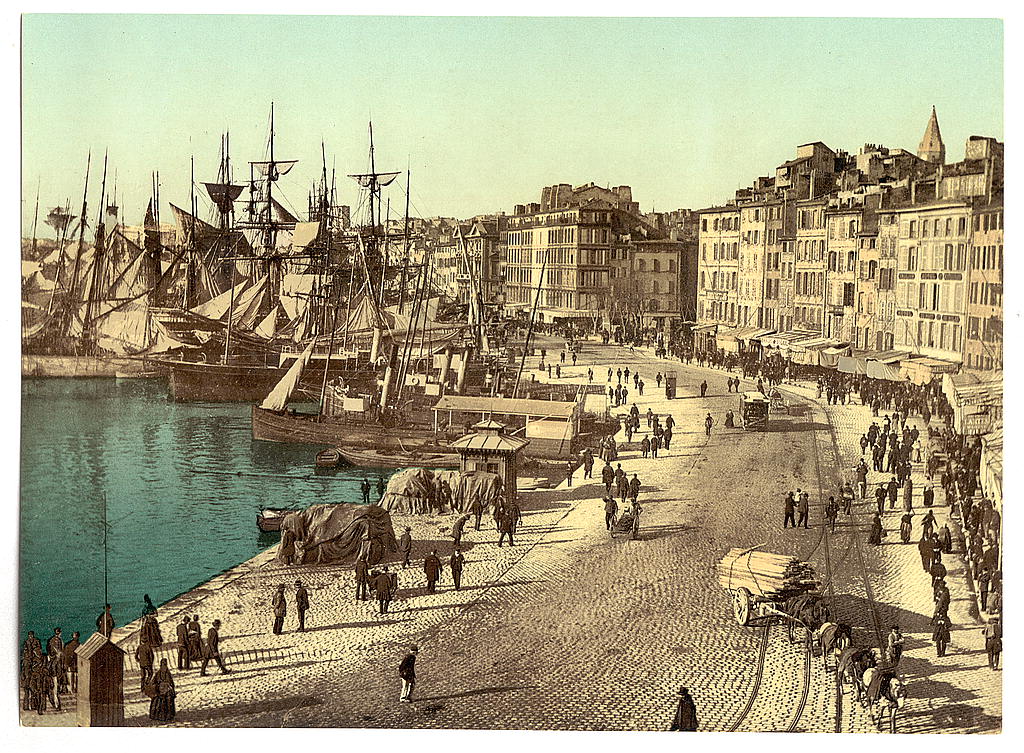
<point>182,482</point>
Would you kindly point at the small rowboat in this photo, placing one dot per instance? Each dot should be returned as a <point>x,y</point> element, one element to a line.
<point>373,458</point>
<point>270,518</point>
<point>329,458</point>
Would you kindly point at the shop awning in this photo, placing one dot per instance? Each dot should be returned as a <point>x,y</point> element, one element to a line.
<point>852,365</point>
<point>879,370</point>
<point>782,340</point>
<point>756,334</point>
<point>922,369</point>
<point>700,328</point>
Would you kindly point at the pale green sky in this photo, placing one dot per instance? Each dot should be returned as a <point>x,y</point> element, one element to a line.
<point>489,110</point>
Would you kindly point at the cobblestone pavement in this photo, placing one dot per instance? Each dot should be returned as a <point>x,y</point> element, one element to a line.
<point>573,628</point>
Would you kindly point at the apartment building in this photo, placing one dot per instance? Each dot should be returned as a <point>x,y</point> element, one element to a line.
<point>983,348</point>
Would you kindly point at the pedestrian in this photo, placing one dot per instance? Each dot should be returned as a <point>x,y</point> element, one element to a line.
<point>405,545</point>
<point>945,539</point>
<point>790,510</point>
<point>655,445</point>
<point>147,605</point>
<point>877,532</point>
<point>383,586</point>
<point>863,443</point>
<point>364,487</point>
<point>569,468</point>
<point>803,508</point>
<point>144,657</point>
<point>894,646</point>
<point>928,496</point>
<point>105,622</point>
<point>380,487</point>
<point>703,388</point>
<point>708,423</point>
<point>924,548</point>
<point>588,463</point>
<point>280,609</point>
<point>611,509</point>
<point>184,660</point>
<point>212,650</point>
<point>657,379</point>
<point>928,523</point>
<point>686,713</point>
<point>286,549</point>
<point>362,576</point>
<point>993,641</point>
<point>407,671</point>
<point>908,495</point>
<point>71,659</point>
<point>906,527</point>
<point>432,569</point>
<point>608,475</point>
<point>666,438</point>
<point>832,512</point>
<point>645,446</point>
<point>623,485</point>
<point>162,706</point>
<point>893,491</point>
<point>458,529</point>
<point>195,640</point>
<point>984,584</point>
<point>455,564</point>
<point>634,488</point>
<point>940,634</point>
<point>301,603</point>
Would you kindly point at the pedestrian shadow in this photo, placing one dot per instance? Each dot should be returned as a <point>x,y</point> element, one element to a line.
<point>480,691</point>
<point>270,705</point>
<point>345,625</point>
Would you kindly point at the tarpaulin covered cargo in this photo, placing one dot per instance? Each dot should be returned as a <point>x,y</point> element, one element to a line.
<point>340,533</point>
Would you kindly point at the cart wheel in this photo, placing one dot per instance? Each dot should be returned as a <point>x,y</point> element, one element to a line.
<point>741,606</point>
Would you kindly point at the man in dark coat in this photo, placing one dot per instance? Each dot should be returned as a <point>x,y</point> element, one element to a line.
<point>301,603</point>
<point>195,639</point>
<point>608,477</point>
<point>611,509</point>
<point>432,569</point>
<point>105,622</point>
<point>940,634</point>
<point>405,546</point>
<point>686,713</point>
<point>407,671</point>
<point>381,487</point>
<point>634,488</point>
<point>212,650</point>
<point>280,609</point>
<point>458,528</point>
<point>364,487</point>
<point>790,510</point>
<point>71,659</point>
<point>382,586</point>
<point>993,641</point>
<point>506,528</point>
<point>144,655</point>
<point>928,523</point>
<point>906,527</point>
<point>455,565</point>
<point>893,490</point>
<point>362,576</point>
<point>703,388</point>
<point>803,508</point>
<point>184,660</point>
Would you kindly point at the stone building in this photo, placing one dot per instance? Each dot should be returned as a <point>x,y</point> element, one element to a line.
<point>983,348</point>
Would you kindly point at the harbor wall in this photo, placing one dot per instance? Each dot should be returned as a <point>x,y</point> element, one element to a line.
<point>80,366</point>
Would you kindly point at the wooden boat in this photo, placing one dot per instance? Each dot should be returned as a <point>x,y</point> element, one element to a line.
<point>329,458</point>
<point>311,428</point>
<point>270,518</point>
<point>421,457</point>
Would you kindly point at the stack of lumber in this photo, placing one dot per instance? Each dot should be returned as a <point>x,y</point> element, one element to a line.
<point>772,576</point>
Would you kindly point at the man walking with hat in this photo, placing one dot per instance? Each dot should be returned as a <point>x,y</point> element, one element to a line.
<point>301,603</point>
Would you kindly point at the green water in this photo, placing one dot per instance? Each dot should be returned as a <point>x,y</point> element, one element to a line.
<point>178,510</point>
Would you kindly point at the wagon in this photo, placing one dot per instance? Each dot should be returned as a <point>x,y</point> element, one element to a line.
<point>765,585</point>
<point>754,411</point>
<point>627,524</point>
<point>777,401</point>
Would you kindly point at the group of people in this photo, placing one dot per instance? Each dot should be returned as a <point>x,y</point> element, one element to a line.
<point>45,677</point>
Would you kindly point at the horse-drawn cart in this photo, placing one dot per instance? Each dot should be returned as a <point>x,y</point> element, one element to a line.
<point>765,585</point>
<point>628,523</point>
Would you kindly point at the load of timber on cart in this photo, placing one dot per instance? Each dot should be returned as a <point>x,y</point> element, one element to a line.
<point>776,577</point>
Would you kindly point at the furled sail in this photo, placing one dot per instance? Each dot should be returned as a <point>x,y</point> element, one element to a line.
<point>224,194</point>
<point>366,179</point>
<point>278,397</point>
<point>275,169</point>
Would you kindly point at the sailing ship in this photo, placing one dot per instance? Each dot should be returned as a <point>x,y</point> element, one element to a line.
<point>411,352</point>
<point>93,316</point>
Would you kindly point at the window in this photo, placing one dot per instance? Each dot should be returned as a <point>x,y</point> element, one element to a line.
<point>913,229</point>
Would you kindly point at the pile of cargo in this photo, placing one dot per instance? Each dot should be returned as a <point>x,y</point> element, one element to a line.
<point>771,576</point>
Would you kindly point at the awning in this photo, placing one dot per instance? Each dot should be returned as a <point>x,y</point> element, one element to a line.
<point>922,369</point>
<point>879,370</point>
<point>756,334</point>
<point>782,340</point>
<point>829,356</point>
<point>704,328</point>
<point>852,365</point>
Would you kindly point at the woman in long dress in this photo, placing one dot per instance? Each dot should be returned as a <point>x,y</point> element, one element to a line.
<point>161,708</point>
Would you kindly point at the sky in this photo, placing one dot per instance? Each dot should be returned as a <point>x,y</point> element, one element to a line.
<point>485,111</point>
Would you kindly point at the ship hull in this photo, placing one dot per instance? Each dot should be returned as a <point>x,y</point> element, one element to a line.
<point>221,383</point>
<point>272,426</point>
<point>85,367</point>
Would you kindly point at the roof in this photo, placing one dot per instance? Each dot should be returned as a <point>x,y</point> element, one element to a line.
<point>490,442</point>
<point>797,161</point>
<point>506,405</point>
<point>92,646</point>
<point>754,397</point>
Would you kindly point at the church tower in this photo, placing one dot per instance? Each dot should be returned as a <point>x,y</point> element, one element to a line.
<point>932,149</point>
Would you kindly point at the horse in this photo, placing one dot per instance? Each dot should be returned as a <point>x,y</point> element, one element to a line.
<point>832,637</point>
<point>851,666</point>
<point>885,693</point>
<point>809,611</point>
